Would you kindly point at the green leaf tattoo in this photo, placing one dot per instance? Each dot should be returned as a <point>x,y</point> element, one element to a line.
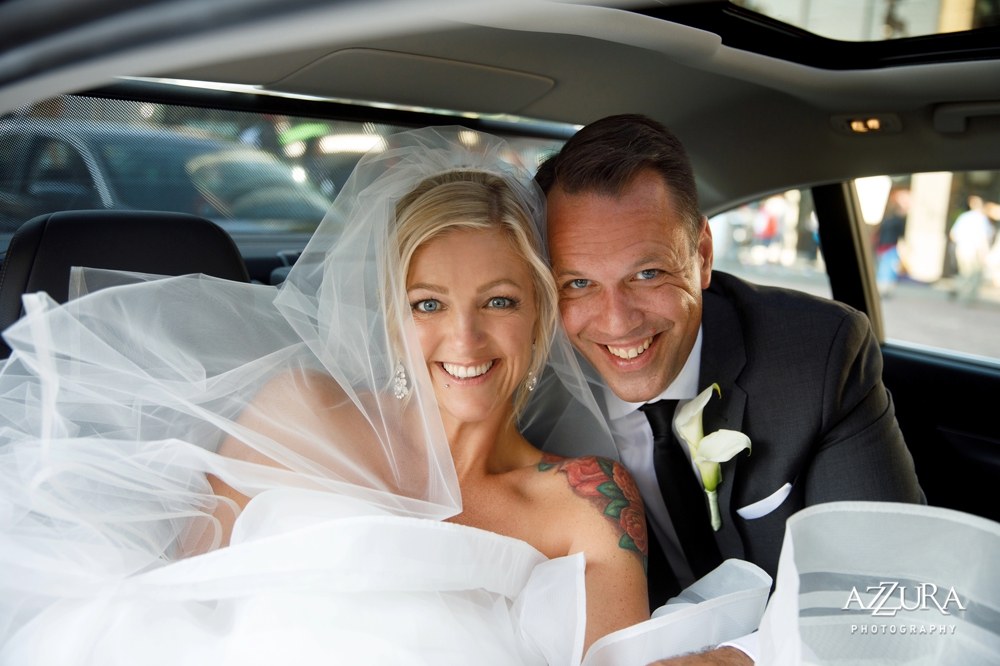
<point>615,508</point>
<point>611,489</point>
<point>607,466</point>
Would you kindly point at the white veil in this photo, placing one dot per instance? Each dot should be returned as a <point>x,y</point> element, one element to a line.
<point>113,405</point>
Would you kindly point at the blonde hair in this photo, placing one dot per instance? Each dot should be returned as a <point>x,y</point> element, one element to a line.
<point>480,201</point>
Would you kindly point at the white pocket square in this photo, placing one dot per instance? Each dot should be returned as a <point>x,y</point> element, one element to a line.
<point>766,505</point>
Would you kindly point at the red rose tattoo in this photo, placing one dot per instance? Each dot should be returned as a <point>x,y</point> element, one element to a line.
<point>627,484</point>
<point>634,524</point>
<point>609,487</point>
<point>585,475</point>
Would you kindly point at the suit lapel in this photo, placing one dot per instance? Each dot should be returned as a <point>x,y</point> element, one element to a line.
<point>723,357</point>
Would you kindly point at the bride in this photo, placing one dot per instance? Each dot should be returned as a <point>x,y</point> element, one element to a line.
<point>193,470</point>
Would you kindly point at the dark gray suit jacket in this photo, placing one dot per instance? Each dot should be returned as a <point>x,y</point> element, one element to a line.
<point>802,378</point>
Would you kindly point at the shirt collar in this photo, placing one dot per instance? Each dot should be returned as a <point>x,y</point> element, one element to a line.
<point>684,386</point>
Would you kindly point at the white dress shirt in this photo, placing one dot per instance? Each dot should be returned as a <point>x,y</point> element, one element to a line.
<point>634,437</point>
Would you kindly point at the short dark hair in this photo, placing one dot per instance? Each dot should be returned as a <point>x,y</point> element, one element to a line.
<point>605,156</point>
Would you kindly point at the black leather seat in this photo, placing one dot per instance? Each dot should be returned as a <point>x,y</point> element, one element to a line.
<point>44,248</point>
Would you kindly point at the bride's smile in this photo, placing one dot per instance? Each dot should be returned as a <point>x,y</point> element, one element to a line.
<point>474,309</point>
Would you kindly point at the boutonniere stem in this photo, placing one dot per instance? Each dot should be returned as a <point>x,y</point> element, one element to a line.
<point>708,451</point>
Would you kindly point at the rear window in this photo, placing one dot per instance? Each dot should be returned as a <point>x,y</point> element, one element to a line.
<point>152,176</point>
<point>267,179</point>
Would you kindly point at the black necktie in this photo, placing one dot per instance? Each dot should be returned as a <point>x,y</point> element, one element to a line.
<point>683,495</point>
<point>661,583</point>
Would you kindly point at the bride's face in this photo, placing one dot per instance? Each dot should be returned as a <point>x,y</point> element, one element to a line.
<point>473,304</point>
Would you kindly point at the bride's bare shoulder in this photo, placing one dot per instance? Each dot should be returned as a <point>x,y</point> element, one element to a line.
<point>288,408</point>
<point>605,516</point>
<point>606,498</point>
<point>304,388</point>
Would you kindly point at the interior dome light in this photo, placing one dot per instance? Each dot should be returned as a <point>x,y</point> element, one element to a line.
<point>879,123</point>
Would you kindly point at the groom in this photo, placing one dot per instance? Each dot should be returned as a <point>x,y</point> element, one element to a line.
<point>800,376</point>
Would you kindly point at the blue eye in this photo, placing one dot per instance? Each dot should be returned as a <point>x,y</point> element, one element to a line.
<point>501,302</point>
<point>579,284</point>
<point>429,305</point>
<point>647,274</point>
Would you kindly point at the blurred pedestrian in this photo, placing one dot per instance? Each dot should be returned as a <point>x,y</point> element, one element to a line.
<point>973,235</point>
<point>890,235</point>
<point>992,211</point>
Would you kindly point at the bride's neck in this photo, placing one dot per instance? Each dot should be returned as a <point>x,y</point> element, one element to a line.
<point>488,447</point>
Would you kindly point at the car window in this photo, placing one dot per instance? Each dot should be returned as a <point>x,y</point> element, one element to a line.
<point>9,180</point>
<point>8,162</point>
<point>57,178</point>
<point>259,176</point>
<point>773,241</point>
<point>151,175</point>
<point>937,259</point>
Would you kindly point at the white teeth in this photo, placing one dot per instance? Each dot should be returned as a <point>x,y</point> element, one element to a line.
<point>630,353</point>
<point>467,372</point>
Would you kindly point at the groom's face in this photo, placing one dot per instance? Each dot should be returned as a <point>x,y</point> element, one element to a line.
<point>630,278</point>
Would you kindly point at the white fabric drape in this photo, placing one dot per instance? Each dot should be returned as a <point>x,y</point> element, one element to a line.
<point>876,549</point>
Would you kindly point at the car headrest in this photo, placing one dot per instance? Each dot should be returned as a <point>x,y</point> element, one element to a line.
<point>44,249</point>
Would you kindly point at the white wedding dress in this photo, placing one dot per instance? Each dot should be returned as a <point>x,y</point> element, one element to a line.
<point>317,578</point>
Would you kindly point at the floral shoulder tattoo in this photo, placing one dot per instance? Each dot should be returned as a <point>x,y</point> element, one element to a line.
<point>612,490</point>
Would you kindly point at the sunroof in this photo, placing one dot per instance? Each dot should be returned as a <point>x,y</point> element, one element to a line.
<point>875,20</point>
<point>847,34</point>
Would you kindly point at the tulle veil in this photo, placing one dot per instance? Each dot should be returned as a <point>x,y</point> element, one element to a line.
<point>113,405</point>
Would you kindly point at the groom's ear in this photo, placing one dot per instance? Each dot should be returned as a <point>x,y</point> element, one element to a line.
<point>706,252</point>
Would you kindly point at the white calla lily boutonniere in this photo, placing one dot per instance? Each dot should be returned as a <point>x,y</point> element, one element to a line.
<point>708,451</point>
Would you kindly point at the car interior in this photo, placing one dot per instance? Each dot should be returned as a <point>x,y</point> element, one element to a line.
<point>792,128</point>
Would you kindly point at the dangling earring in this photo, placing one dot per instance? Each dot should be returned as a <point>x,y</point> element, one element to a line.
<point>401,387</point>
<point>532,382</point>
<point>532,379</point>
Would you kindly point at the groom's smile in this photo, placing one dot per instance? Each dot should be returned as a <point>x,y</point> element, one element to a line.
<point>629,352</point>
<point>630,277</point>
